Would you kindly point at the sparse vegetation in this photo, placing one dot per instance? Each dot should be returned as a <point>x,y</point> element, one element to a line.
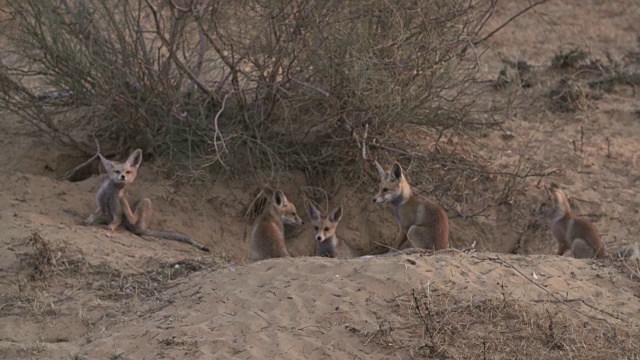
<point>568,96</point>
<point>45,259</point>
<point>183,81</point>
<point>438,325</point>
<point>569,59</point>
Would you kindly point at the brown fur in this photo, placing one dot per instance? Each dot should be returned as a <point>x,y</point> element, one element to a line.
<point>112,201</point>
<point>421,223</point>
<point>327,242</point>
<point>267,237</point>
<point>576,237</point>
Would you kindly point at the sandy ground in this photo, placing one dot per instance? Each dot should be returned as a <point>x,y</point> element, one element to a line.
<point>120,296</point>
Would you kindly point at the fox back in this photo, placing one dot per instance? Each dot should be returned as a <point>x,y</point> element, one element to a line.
<point>327,242</point>
<point>267,237</point>
<point>576,237</point>
<point>420,221</point>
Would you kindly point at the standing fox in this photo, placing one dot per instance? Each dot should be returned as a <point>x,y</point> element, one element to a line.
<point>267,237</point>
<point>112,201</point>
<point>327,242</point>
<point>576,237</point>
<point>421,223</point>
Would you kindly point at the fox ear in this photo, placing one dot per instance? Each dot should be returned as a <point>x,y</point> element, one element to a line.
<point>336,215</point>
<point>135,159</point>
<point>396,171</point>
<point>108,164</point>
<point>380,170</point>
<point>279,199</point>
<point>313,213</point>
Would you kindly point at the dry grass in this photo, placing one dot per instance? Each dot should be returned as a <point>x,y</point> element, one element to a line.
<point>45,259</point>
<point>115,286</point>
<point>435,323</point>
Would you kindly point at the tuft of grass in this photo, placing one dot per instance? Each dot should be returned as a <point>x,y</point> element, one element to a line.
<point>570,59</point>
<point>45,259</point>
<point>116,355</point>
<point>568,96</point>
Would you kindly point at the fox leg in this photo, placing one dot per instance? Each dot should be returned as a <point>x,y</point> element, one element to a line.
<point>143,214</point>
<point>137,220</point>
<point>401,238</point>
<point>115,222</point>
<point>420,237</point>
<point>92,217</point>
<point>581,249</point>
<point>562,247</point>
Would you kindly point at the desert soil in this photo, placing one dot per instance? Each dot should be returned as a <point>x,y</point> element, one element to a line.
<point>75,292</point>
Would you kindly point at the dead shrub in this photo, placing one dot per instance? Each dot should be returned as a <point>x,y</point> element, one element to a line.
<point>45,259</point>
<point>117,286</point>
<point>435,324</point>
<point>569,59</point>
<point>518,73</point>
<point>568,96</point>
<point>245,83</point>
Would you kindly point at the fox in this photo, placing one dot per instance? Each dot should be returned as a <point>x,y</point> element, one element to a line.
<point>112,202</point>
<point>576,237</point>
<point>421,223</point>
<point>267,236</point>
<point>327,242</point>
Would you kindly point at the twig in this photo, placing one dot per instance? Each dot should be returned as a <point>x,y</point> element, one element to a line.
<point>362,145</point>
<point>317,89</point>
<point>72,172</point>
<point>518,14</point>
<point>172,54</point>
<point>217,132</point>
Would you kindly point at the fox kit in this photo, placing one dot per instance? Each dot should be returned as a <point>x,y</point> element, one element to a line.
<point>112,202</point>
<point>327,242</point>
<point>421,223</point>
<point>267,237</point>
<point>575,236</point>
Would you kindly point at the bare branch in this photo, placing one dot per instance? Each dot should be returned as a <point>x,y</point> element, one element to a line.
<point>515,16</point>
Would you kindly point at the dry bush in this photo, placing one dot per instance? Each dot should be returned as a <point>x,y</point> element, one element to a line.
<point>514,72</point>
<point>44,259</point>
<point>116,286</point>
<point>568,96</point>
<point>436,325</point>
<point>569,59</point>
<point>258,83</point>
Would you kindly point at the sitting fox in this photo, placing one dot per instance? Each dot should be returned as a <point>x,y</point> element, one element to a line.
<point>327,242</point>
<point>112,202</point>
<point>421,223</point>
<point>576,237</point>
<point>274,210</point>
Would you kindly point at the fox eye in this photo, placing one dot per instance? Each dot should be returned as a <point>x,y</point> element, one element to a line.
<point>117,171</point>
<point>128,172</point>
<point>315,228</point>
<point>326,229</point>
<point>294,214</point>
